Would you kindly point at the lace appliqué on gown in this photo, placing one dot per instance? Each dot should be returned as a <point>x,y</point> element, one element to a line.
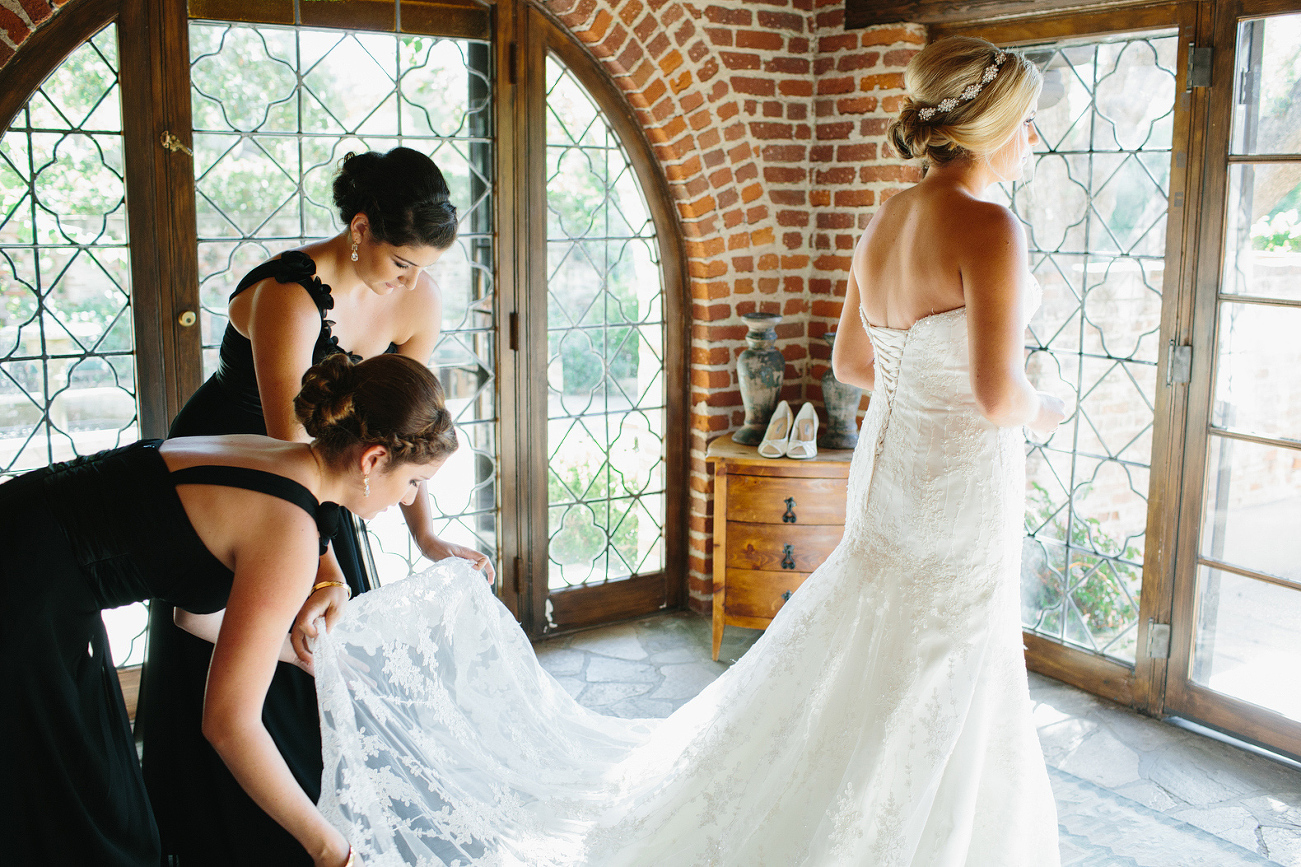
<point>882,719</point>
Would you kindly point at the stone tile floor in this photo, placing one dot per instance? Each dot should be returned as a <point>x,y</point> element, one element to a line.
<point>1130,790</point>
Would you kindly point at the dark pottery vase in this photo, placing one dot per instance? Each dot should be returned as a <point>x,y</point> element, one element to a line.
<point>759,370</point>
<point>841,402</point>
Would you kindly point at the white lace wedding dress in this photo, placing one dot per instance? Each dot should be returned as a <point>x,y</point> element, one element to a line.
<point>883,719</point>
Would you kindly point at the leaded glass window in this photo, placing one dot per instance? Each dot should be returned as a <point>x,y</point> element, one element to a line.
<point>605,345</point>
<point>67,350</point>
<point>275,111</point>
<point>1095,207</point>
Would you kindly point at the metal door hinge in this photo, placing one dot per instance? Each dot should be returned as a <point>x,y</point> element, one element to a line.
<point>1158,640</point>
<point>517,579</point>
<point>512,63</point>
<point>1199,67</point>
<point>513,324</point>
<point>1247,85</point>
<point>1179,364</point>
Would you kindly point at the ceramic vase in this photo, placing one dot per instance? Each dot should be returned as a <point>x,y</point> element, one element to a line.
<point>760,370</point>
<point>841,402</point>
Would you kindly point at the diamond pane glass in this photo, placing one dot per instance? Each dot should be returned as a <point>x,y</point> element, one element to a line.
<point>1095,208</point>
<point>275,111</point>
<point>605,343</point>
<point>67,351</point>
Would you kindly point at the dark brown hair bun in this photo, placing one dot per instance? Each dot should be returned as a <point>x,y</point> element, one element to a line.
<point>388,400</point>
<point>402,193</point>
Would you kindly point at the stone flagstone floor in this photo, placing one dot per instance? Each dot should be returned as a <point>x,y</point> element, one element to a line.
<point>1130,790</point>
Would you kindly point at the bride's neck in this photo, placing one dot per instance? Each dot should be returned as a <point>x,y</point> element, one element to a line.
<point>973,176</point>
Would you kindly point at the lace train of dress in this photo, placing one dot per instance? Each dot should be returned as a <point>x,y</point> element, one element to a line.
<point>883,719</point>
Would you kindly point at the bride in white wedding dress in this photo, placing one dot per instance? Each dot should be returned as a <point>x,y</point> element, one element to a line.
<point>883,719</point>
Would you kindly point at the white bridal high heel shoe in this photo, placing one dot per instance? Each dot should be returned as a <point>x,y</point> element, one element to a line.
<point>803,442</point>
<point>778,433</point>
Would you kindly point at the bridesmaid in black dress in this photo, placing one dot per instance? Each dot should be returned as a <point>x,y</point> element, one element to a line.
<point>364,292</point>
<point>205,523</point>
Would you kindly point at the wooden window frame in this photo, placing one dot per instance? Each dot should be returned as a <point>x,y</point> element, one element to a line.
<point>157,185</point>
<point>1240,718</point>
<point>643,594</point>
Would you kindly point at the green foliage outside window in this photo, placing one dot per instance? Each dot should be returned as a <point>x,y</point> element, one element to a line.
<point>1099,575</point>
<point>1278,232</point>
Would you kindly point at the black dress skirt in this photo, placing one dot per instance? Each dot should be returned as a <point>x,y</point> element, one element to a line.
<point>203,815</point>
<point>94,533</point>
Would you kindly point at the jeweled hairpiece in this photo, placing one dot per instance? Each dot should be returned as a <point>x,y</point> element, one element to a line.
<point>971,92</point>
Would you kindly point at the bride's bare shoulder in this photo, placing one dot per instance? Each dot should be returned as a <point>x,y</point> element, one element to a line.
<point>891,223</point>
<point>977,213</point>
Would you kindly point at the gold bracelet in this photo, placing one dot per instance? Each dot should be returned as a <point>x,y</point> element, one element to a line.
<point>322,584</point>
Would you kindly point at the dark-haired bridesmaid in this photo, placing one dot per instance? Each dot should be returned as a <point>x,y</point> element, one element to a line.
<point>228,529</point>
<point>363,292</point>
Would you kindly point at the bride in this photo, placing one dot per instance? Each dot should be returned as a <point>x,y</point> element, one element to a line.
<point>883,718</point>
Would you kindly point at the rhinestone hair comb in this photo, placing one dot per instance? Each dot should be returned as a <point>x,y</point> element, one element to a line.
<point>970,93</point>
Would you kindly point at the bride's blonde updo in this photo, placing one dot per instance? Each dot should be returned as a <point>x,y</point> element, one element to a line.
<point>389,400</point>
<point>975,127</point>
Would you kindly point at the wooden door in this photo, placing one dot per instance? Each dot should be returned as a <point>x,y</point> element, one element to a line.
<point>1235,652</point>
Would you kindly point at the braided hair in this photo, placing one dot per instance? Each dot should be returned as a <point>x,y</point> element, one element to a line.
<point>389,400</point>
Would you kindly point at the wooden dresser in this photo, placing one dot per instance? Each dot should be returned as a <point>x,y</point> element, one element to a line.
<point>775,521</point>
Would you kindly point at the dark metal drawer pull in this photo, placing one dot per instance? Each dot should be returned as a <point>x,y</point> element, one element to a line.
<point>786,596</point>
<point>788,556</point>
<point>789,516</point>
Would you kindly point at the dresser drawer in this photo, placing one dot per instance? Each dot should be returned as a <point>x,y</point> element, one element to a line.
<point>777,500</point>
<point>775,521</point>
<point>751,593</point>
<point>780,547</point>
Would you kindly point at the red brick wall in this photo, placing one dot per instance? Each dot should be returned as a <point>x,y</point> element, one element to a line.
<point>18,18</point>
<point>768,119</point>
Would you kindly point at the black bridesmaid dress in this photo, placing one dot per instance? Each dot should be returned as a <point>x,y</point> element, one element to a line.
<point>203,815</point>
<point>95,533</point>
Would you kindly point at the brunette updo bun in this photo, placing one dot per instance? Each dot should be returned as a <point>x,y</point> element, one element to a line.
<point>389,400</point>
<point>403,195</point>
<point>975,127</point>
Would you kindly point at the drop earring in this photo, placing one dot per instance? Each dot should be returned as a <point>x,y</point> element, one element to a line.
<point>354,251</point>
<point>365,484</point>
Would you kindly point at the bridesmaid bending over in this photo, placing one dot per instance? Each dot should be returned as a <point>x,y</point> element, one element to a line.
<point>205,523</point>
<point>363,292</point>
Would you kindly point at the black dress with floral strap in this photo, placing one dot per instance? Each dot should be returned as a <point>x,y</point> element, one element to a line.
<point>203,815</point>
